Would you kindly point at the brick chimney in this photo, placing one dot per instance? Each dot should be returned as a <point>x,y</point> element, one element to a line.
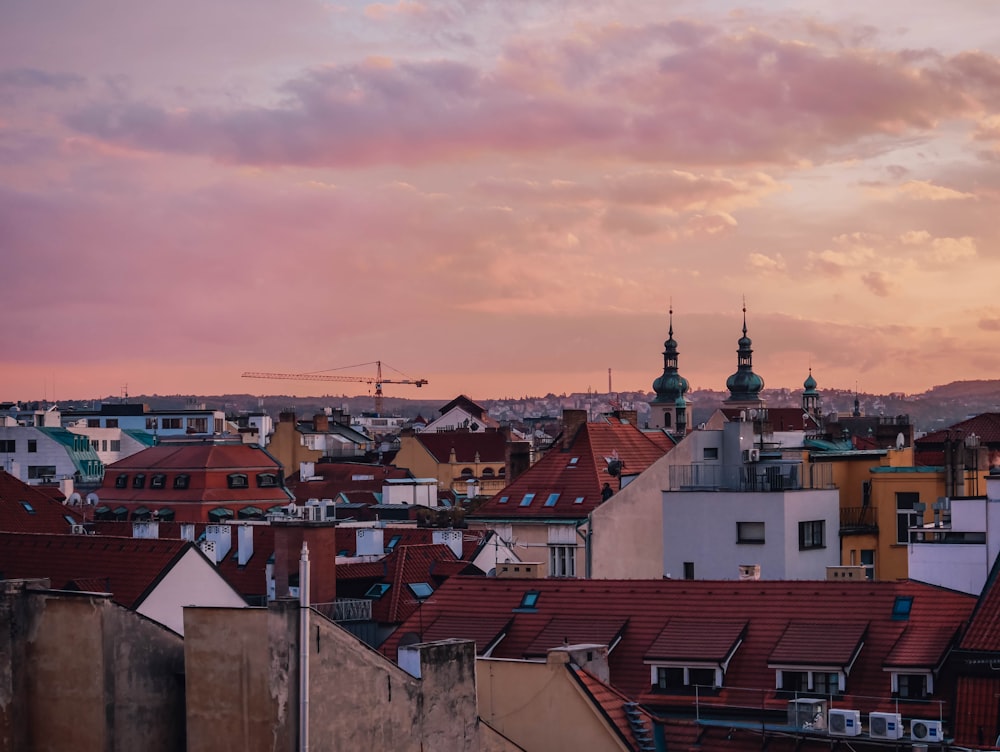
<point>286,416</point>
<point>572,421</point>
<point>321,422</point>
<point>322,541</point>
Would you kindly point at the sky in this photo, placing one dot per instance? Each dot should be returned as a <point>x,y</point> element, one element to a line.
<point>503,198</point>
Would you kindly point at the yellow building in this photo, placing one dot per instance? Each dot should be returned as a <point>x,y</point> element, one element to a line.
<point>456,457</point>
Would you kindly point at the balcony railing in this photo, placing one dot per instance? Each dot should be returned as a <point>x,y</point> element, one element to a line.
<point>752,476</point>
<point>862,519</point>
<point>346,609</point>
<point>944,535</point>
<point>487,486</point>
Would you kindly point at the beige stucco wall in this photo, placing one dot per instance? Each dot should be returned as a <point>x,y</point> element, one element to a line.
<point>86,674</point>
<point>540,706</point>
<point>285,445</point>
<point>530,542</point>
<point>242,680</point>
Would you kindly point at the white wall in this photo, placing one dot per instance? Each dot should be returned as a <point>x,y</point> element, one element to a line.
<point>700,527</point>
<point>192,581</point>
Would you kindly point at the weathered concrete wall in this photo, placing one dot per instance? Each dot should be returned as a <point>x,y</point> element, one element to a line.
<point>242,688</point>
<point>90,675</point>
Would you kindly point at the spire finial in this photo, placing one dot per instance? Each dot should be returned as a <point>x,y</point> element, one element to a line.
<point>671,310</point>
<point>744,315</point>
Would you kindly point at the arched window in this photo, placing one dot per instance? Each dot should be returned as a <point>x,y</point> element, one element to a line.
<point>502,472</point>
<point>487,472</point>
<point>466,472</point>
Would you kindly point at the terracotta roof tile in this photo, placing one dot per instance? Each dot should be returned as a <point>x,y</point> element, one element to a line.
<point>25,509</point>
<point>613,704</point>
<point>798,644</point>
<point>483,630</point>
<point>567,483</point>
<point>986,426</point>
<point>921,646</point>
<point>491,446</point>
<point>976,721</point>
<point>984,628</point>
<point>567,630</point>
<point>697,640</point>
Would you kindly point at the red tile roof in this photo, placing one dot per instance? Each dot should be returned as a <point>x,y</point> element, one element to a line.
<point>25,509</point>
<point>483,630</point>
<point>984,628</point>
<point>986,426</point>
<point>490,446</point>
<point>921,646</point>
<point>976,711</point>
<point>577,473</point>
<point>128,568</point>
<point>613,704</point>
<point>697,640</point>
<point>798,644</point>
<point>567,630</point>
<point>344,477</point>
<point>780,418</point>
<point>767,607</point>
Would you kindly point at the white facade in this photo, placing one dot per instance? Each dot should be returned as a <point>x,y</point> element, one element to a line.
<point>192,581</point>
<point>456,418</point>
<point>422,491</point>
<point>33,455</point>
<point>710,535</point>
<point>156,422</point>
<point>110,444</point>
<point>958,553</point>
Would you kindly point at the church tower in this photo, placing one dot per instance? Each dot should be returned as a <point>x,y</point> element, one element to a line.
<point>744,385</point>
<point>670,409</point>
<point>810,398</point>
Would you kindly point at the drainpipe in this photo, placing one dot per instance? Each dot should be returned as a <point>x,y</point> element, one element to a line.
<point>304,649</point>
<point>586,543</point>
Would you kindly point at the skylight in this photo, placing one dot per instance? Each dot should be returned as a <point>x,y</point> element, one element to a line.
<point>573,461</point>
<point>503,500</point>
<point>530,599</point>
<point>377,590</point>
<point>901,607</point>
<point>421,590</point>
<point>393,542</point>
<point>528,498</point>
<point>27,507</point>
<point>551,501</point>
<point>578,500</point>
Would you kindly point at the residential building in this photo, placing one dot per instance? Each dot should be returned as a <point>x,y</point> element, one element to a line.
<point>193,480</point>
<point>46,454</point>
<point>196,419</point>
<point>461,413</point>
<point>544,512</point>
<point>26,509</point>
<point>326,437</point>
<point>155,578</point>
<point>459,460</point>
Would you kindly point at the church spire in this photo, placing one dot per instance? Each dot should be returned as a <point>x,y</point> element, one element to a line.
<point>744,385</point>
<point>668,408</point>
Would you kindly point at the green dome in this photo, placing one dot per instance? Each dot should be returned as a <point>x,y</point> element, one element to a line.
<point>670,385</point>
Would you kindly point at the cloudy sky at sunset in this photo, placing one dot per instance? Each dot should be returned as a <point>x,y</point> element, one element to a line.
<point>500,197</point>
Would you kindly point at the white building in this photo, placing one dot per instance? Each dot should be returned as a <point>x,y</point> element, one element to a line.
<point>958,549</point>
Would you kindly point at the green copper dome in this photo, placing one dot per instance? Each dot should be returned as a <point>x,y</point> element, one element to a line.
<point>670,386</point>
<point>744,385</point>
<point>810,383</point>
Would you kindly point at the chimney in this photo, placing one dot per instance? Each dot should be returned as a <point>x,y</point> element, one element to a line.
<point>244,544</point>
<point>187,531</point>
<point>628,416</point>
<point>286,416</point>
<point>149,529</point>
<point>307,470</point>
<point>451,538</point>
<point>222,537</point>
<point>572,420</point>
<point>321,422</point>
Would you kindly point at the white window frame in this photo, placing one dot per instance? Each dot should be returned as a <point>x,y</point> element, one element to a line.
<point>562,561</point>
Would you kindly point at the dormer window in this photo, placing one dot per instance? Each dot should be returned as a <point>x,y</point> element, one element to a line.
<point>693,653</point>
<point>267,480</point>
<point>158,481</point>
<point>801,664</point>
<point>121,481</point>
<point>238,480</point>
<point>139,481</point>
<point>181,481</point>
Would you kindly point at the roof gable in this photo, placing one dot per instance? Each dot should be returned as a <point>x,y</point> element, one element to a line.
<point>25,509</point>
<point>488,446</point>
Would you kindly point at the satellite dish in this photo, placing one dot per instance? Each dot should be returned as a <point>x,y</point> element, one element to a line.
<point>74,499</point>
<point>92,499</point>
<point>900,440</point>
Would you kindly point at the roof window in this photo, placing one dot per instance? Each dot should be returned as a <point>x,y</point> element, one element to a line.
<point>377,590</point>
<point>528,498</point>
<point>421,590</point>
<point>121,481</point>
<point>529,600</point>
<point>139,481</point>
<point>901,607</point>
<point>503,500</point>
<point>393,542</point>
<point>578,500</point>
<point>551,501</point>
<point>27,507</point>
<point>572,461</point>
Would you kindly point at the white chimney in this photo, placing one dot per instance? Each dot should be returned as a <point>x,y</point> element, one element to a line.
<point>307,470</point>
<point>244,544</point>
<point>370,542</point>
<point>187,531</point>
<point>451,538</point>
<point>150,529</point>
<point>222,537</point>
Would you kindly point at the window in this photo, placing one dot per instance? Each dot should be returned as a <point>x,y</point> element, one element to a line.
<point>217,425</point>
<point>158,481</point>
<point>466,472</point>
<point>150,424</point>
<point>27,507</point>
<point>906,514</point>
<point>93,422</point>
<point>666,420</point>
<point>41,472</point>
<point>688,570</point>
<point>529,599</point>
<point>710,453</point>
<point>139,481</point>
<point>421,590</point>
<point>95,444</point>
<point>32,445</point>
<point>551,501</point>
<point>826,683</point>
<point>170,423</point>
<point>111,423</point>
<point>794,681</point>
<point>679,677</point>
<point>377,590</point>
<point>393,542</point>
<point>578,500</point>
<point>238,480</point>
<point>901,607</point>
<point>182,481</point>
<point>702,677</point>
<point>488,472</point>
<point>104,445</point>
<point>750,532</point>
<point>267,480</point>
<point>121,481</point>
<point>669,677</point>
<point>528,498</point>
<point>116,445</point>
<point>7,446</point>
<point>198,425</point>
<point>503,500</point>
<point>811,534</point>
<point>911,686</point>
<point>868,562</point>
<point>562,561</point>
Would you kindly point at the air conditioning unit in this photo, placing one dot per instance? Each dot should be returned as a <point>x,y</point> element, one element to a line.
<point>841,722</point>
<point>754,455</point>
<point>925,731</point>
<point>885,726</point>
<point>807,713</point>
<point>79,530</point>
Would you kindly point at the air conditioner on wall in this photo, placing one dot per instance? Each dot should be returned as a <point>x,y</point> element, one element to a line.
<point>885,726</point>
<point>841,722</point>
<point>754,455</point>
<point>925,731</point>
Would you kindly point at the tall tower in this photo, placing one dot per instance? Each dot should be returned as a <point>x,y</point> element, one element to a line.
<point>670,409</point>
<point>744,385</point>
<point>810,397</point>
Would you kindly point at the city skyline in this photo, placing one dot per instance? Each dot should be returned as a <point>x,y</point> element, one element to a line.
<point>501,199</point>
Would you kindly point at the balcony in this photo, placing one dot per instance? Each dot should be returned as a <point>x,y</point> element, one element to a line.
<point>752,477</point>
<point>487,486</point>
<point>947,535</point>
<point>859,520</point>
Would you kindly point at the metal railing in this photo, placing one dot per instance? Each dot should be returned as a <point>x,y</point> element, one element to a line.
<point>752,476</point>
<point>863,518</point>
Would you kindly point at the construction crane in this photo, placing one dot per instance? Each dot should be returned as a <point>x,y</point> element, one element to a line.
<point>377,380</point>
